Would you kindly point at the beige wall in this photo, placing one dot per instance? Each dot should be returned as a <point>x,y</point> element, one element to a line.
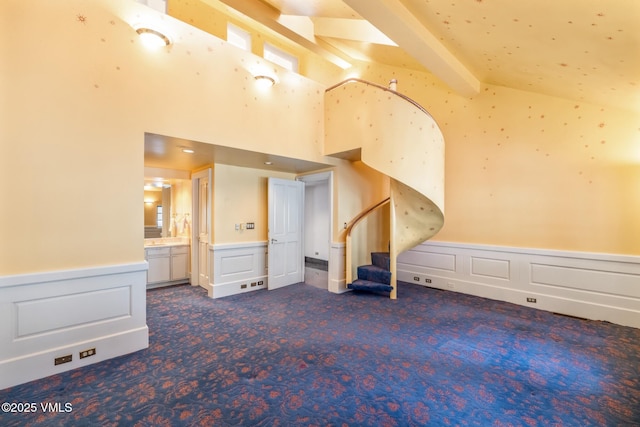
<point>72,141</point>
<point>355,188</point>
<point>530,170</point>
<point>240,196</point>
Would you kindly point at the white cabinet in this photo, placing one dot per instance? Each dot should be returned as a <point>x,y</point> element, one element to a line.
<point>159,260</point>
<point>167,265</point>
<point>179,262</point>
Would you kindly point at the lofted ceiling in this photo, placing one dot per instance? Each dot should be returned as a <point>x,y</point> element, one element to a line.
<point>581,50</point>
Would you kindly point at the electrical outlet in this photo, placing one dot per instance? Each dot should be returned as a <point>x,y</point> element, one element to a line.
<point>253,284</point>
<point>260,283</point>
<point>532,300</point>
<point>63,359</point>
<point>243,286</point>
<point>251,226</point>
<point>87,353</point>
<point>427,280</point>
<point>416,279</point>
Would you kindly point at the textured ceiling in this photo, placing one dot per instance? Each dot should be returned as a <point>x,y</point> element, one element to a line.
<point>583,50</point>
<point>577,49</point>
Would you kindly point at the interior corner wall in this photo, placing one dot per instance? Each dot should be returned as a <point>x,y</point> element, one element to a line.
<point>529,170</point>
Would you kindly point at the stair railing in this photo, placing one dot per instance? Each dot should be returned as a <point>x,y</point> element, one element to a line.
<point>405,97</point>
<point>348,246</point>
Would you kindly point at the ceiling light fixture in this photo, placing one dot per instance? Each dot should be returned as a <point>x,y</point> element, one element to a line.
<point>265,81</point>
<point>188,150</point>
<point>152,39</point>
<point>268,163</point>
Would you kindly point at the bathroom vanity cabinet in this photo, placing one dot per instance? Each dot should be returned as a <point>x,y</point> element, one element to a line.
<point>168,265</point>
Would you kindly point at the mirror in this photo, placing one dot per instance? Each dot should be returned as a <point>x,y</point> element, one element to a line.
<point>167,208</point>
<point>157,209</point>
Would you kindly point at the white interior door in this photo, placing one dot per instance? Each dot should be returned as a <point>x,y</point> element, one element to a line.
<point>203,235</point>
<point>285,252</point>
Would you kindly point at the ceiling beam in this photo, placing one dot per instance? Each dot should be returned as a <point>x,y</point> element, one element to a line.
<point>350,29</point>
<point>400,25</point>
<point>270,18</point>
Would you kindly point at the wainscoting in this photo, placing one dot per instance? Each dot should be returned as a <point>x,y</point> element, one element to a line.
<point>593,286</point>
<point>238,268</point>
<point>337,277</point>
<point>48,315</point>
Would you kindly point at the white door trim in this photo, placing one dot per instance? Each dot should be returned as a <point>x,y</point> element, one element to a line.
<point>195,223</point>
<point>285,237</point>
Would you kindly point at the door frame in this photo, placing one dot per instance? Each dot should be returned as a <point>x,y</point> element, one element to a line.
<point>326,176</point>
<point>195,223</point>
<point>299,186</point>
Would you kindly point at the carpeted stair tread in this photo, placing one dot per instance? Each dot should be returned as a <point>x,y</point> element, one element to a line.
<point>367,285</point>
<point>373,273</point>
<point>381,259</point>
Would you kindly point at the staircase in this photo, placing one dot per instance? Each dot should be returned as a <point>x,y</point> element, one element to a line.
<point>394,135</point>
<point>375,277</point>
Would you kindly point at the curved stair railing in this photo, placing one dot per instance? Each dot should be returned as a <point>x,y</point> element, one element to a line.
<point>348,246</point>
<point>396,136</point>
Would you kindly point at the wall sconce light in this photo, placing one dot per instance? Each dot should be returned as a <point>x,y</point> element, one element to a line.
<point>152,39</point>
<point>148,202</point>
<point>264,81</point>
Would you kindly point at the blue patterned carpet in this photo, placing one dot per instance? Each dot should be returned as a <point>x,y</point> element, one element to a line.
<point>303,356</point>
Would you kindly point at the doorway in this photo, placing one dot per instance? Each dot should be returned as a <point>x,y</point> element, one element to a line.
<point>285,235</point>
<point>201,229</point>
<point>318,208</point>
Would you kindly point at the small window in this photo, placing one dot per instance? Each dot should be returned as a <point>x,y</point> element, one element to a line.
<point>159,216</point>
<point>273,54</point>
<point>238,37</point>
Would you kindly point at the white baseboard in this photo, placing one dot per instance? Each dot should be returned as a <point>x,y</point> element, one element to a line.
<point>47,315</point>
<point>588,285</point>
<point>238,268</point>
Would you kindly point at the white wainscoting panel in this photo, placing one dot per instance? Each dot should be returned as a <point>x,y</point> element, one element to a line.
<point>53,314</point>
<point>337,276</point>
<point>500,268</point>
<point>588,285</point>
<point>238,266</point>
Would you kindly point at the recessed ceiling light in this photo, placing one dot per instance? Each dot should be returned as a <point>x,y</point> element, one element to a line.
<point>188,150</point>
<point>268,163</point>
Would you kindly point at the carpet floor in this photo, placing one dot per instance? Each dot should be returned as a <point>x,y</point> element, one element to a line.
<point>301,356</point>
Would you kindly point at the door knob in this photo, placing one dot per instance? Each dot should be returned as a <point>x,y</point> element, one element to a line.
<point>273,240</point>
